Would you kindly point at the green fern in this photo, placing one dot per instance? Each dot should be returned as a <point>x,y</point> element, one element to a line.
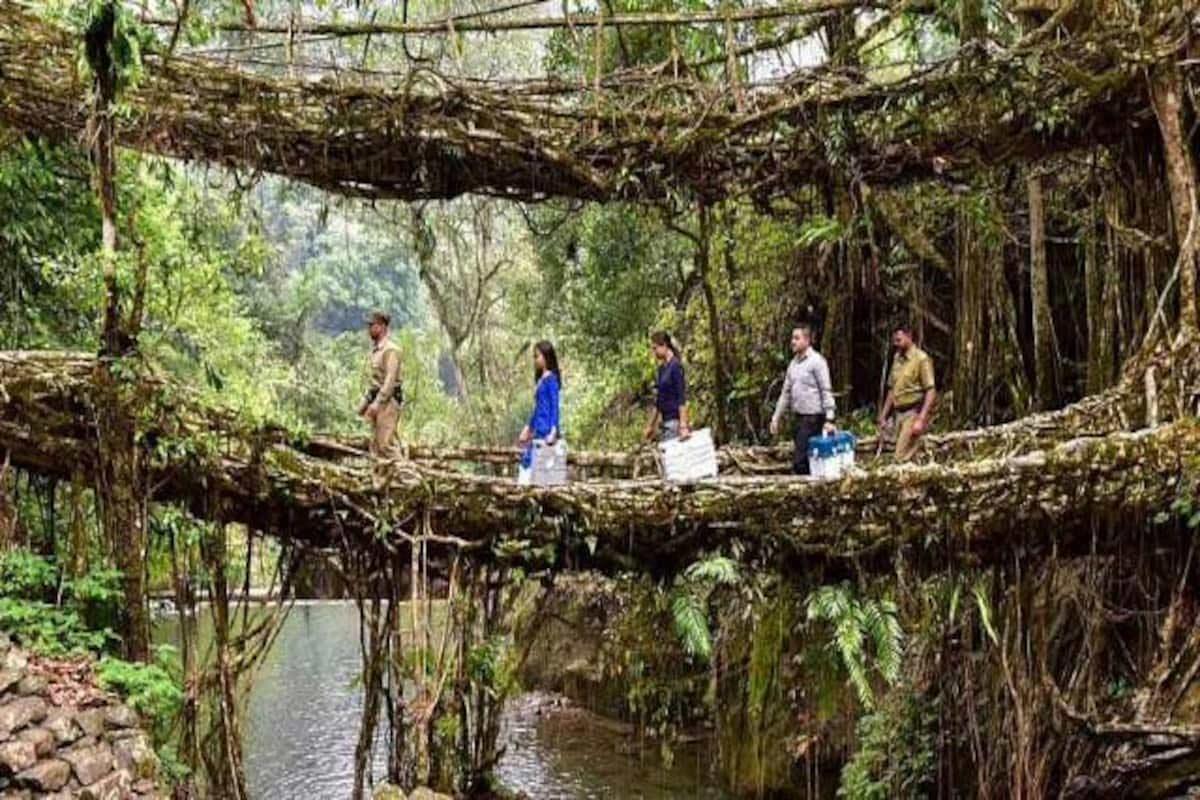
<point>820,230</point>
<point>716,570</point>
<point>857,623</point>
<point>689,602</point>
<point>691,624</point>
<point>882,621</point>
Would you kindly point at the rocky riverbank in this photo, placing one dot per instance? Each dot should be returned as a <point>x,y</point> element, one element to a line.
<point>63,737</point>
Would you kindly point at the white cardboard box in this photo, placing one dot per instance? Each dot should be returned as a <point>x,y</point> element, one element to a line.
<point>688,460</point>
<point>549,463</point>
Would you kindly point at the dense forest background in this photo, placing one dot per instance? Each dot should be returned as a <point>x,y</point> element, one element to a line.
<point>257,286</point>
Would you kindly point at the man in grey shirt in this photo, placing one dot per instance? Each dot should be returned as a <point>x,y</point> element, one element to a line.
<point>807,393</point>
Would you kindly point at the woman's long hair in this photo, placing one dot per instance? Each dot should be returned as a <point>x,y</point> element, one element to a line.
<point>663,339</point>
<point>547,350</point>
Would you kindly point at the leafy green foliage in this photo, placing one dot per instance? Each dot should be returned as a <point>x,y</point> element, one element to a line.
<point>896,756</point>
<point>112,40</point>
<point>861,628</point>
<point>604,273</point>
<point>573,53</point>
<point>491,665</point>
<point>73,619</point>
<point>96,597</point>
<point>1185,507</point>
<point>689,602</point>
<point>691,624</point>
<point>715,570</point>
<point>99,587</point>
<point>820,230</point>
<point>49,630</point>
<point>653,679</point>
<point>48,221</point>
<point>320,267</point>
<point>25,575</point>
<point>152,690</point>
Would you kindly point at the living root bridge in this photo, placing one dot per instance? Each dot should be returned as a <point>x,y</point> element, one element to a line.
<point>968,509</point>
<point>635,137</point>
<point>973,510</point>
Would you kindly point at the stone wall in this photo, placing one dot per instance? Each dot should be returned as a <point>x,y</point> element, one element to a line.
<point>61,737</point>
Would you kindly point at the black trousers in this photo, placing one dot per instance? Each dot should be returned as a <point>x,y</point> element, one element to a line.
<point>807,426</point>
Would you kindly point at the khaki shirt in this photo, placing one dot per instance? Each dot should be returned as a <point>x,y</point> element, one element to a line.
<point>385,367</point>
<point>911,377</point>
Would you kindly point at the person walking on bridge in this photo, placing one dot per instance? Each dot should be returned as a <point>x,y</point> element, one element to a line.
<point>544,424</point>
<point>808,394</point>
<point>910,397</point>
<point>381,403</point>
<point>669,419</point>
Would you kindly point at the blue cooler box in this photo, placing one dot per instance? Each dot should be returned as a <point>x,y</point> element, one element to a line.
<point>831,456</point>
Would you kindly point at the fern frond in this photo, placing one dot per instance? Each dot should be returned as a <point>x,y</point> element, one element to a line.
<point>888,637</point>
<point>855,624</point>
<point>820,229</point>
<point>829,603</point>
<point>718,570</point>
<point>849,640</point>
<point>691,624</point>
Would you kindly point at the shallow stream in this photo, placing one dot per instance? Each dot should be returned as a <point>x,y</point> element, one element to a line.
<point>303,719</point>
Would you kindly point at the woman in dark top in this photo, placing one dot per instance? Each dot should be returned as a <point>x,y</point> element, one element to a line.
<point>543,424</point>
<point>669,419</point>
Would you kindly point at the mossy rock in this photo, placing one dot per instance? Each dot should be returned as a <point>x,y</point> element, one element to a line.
<point>425,793</point>
<point>388,792</point>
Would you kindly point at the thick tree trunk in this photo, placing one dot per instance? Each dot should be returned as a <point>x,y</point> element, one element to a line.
<point>1167,88</point>
<point>1099,281</point>
<point>460,374</point>
<point>972,21</point>
<point>77,534</point>
<point>373,634</point>
<point>121,490</point>
<point>1039,285</point>
<point>844,198</point>
<point>119,486</point>
<point>989,379</point>
<point>9,519</point>
<point>189,716</point>
<point>1004,344</point>
<point>703,267</point>
<point>226,770</point>
<point>970,293</point>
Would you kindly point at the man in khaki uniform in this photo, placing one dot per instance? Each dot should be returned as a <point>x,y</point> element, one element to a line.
<point>381,403</point>
<point>911,392</point>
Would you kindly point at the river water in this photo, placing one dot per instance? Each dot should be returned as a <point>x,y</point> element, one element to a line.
<point>302,724</point>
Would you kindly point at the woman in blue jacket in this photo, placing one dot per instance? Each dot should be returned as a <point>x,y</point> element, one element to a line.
<point>544,422</point>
